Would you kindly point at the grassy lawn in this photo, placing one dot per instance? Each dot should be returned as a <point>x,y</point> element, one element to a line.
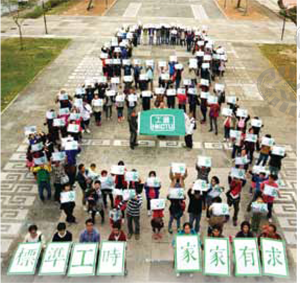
<point>284,59</point>
<point>18,68</point>
<point>57,10</point>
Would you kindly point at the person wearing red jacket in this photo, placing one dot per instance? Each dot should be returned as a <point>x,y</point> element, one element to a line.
<point>117,234</point>
<point>234,196</point>
<point>157,223</point>
<point>213,116</point>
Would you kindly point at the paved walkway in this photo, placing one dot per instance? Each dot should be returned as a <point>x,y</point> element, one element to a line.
<point>245,77</point>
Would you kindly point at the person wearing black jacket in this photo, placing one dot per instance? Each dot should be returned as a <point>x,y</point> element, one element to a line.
<point>133,127</point>
<point>195,209</point>
<point>83,181</point>
<point>62,234</point>
<point>275,163</point>
<point>245,231</point>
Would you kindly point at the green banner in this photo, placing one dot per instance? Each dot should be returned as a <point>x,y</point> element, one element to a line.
<point>162,122</point>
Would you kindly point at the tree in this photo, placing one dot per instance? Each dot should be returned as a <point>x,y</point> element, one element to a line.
<point>90,5</point>
<point>289,12</point>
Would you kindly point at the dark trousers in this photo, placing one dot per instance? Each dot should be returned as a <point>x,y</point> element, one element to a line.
<point>236,206</point>
<point>71,172</point>
<point>68,208</point>
<point>110,195</point>
<point>193,109</point>
<point>136,220</point>
<point>133,138</point>
<point>262,158</point>
<point>235,150</point>
<point>44,185</point>
<point>226,132</point>
<point>213,121</point>
<point>182,106</point>
<point>188,141</point>
<point>108,111</point>
<point>203,111</point>
<point>58,189</point>
<point>97,116</point>
<point>270,207</point>
<point>94,215</point>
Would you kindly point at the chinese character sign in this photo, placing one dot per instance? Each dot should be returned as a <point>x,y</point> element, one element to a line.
<point>246,257</point>
<point>55,259</point>
<point>216,257</point>
<point>25,259</point>
<point>112,258</point>
<point>83,260</point>
<point>187,255</point>
<point>274,258</point>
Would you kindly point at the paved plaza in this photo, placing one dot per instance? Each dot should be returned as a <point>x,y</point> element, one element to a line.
<point>246,77</point>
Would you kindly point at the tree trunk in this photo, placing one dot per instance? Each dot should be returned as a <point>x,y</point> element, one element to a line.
<point>20,35</point>
<point>238,4</point>
<point>90,5</point>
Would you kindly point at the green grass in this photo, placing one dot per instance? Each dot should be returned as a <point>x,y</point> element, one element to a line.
<point>284,59</point>
<point>18,68</point>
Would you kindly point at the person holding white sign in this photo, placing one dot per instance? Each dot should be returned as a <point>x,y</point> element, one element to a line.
<point>97,106</point>
<point>176,209</point>
<point>275,162</point>
<point>270,191</point>
<point>108,103</point>
<point>227,126</point>
<point>195,208</point>
<point>264,153</point>
<point>68,204</point>
<point>213,117</point>
<point>107,185</point>
<point>152,187</point>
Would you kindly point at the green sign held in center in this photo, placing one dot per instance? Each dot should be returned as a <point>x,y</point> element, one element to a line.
<point>162,122</point>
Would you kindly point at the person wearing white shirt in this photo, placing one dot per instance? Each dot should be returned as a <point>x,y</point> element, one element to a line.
<point>190,123</point>
<point>35,236</point>
<point>86,116</point>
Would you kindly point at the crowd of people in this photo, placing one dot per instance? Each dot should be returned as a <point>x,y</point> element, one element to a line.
<point>130,82</point>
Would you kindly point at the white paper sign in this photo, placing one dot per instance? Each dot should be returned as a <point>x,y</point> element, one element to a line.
<point>40,161</point>
<point>102,80</point>
<point>50,115</point>
<point>111,92</point>
<point>171,92</point>
<point>146,93</point>
<point>200,185</point>
<point>212,99</point>
<point>242,160</point>
<point>216,257</point>
<point>207,58</point>
<point>227,112</point>
<point>205,66</point>
<point>165,76</point>
<point>132,176</point>
<point>193,63</point>
<point>157,204</point>
<point>137,62</point>
<point>159,90</point>
<point>67,196</point>
<point>63,111</point>
<point>30,130</point>
<point>58,156</point>
<point>178,66</point>
<point>162,64</point>
<point>71,145</point>
<point>274,258</point>
<point>115,80</point>
<point>259,207</point>
<point>199,54</point>
<point>181,91</point>
<point>267,141</point>
<point>192,91</point>
<point>204,82</point>
<point>176,193</point>
<point>75,116</point>
<point>73,128</point>
<point>220,209</point>
<point>219,87</point>
<point>187,255</point>
<point>256,123</point>
<point>237,173</point>
<point>128,194</point>
<point>277,150</point>
<point>55,259</point>
<point>117,61</point>
<point>247,262</point>
<point>173,58</point>
<point>231,99</point>
<point>111,258</point>
<point>187,82</point>
<point>235,134</point>
<point>25,259</point>
<point>62,97</point>
<point>117,170</point>
<point>37,147</point>
<point>128,79</point>
<point>98,102</point>
<point>178,168</point>
<point>120,98</point>
<point>126,62</point>
<point>78,102</point>
<point>270,191</point>
<point>153,182</point>
<point>204,95</point>
<point>251,138</point>
<point>242,113</point>
<point>204,161</point>
<point>143,77</point>
<point>83,259</point>
<point>150,63</point>
<point>200,43</point>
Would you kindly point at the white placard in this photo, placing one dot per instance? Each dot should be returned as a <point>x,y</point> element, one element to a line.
<point>120,98</point>
<point>267,141</point>
<point>219,87</point>
<point>173,58</point>
<point>204,161</point>
<point>216,257</point>
<point>187,82</point>
<point>231,99</point>
<point>108,61</point>
<point>83,259</point>
<point>150,63</point>
<point>143,77</point>
<point>73,128</point>
<point>205,66</point>
<point>146,93</point>
<point>55,259</point>
<point>178,66</point>
<point>115,80</point>
<point>59,122</point>
<point>257,207</point>
<point>200,185</point>
<point>179,168</point>
<point>25,259</point>
<point>102,80</point>
<point>128,79</point>
<point>246,256</point>
<point>204,82</point>
<point>110,92</point>
<point>171,92</point>
<point>237,173</point>
<point>204,95</point>
<point>227,112</point>
<point>199,54</point>
<point>103,55</point>
<point>165,76</point>
<point>50,115</point>
<point>132,97</point>
<point>241,160</point>
<point>220,209</point>
<point>128,194</point>
<point>117,170</point>
<point>75,116</point>
<point>67,196</point>
<point>71,145</point>
<point>159,90</point>
<point>187,255</point>
<point>192,91</point>
<point>200,43</point>
<point>137,61</point>
<point>235,134</point>
<point>157,204</point>
<point>98,102</point>
<point>162,64</point>
<point>251,138</point>
<point>153,182</point>
<point>193,63</point>
<point>40,161</point>
<point>212,99</point>
<point>207,57</point>
<point>274,258</point>
<point>256,123</point>
<point>270,191</point>
<point>277,150</point>
<point>117,61</point>
<point>176,193</point>
<point>242,113</point>
<point>63,111</point>
<point>126,62</point>
<point>181,91</point>
<point>30,130</point>
<point>78,102</point>
<point>62,97</point>
<point>37,147</point>
<point>132,176</point>
<point>58,156</point>
<point>112,258</point>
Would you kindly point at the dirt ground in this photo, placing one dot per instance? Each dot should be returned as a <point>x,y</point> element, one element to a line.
<point>80,9</point>
<point>255,10</point>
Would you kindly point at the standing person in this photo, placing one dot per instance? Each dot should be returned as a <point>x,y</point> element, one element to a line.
<point>83,181</point>
<point>150,76</point>
<point>90,234</point>
<point>203,108</point>
<point>227,127</point>
<point>133,215</point>
<point>245,231</point>
<point>234,196</point>
<point>176,209</point>
<point>43,179</point>
<point>133,127</point>
<point>157,223</point>
<point>136,73</point>
<point>151,189</point>
<point>269,200</point>
<point>117,234</point>
<point>97,106</point>
<point>214,190</point>
<point>108,107</point>
<point>275,163</point>
<point>264,153</point>
<point>202,174</point>
<point>70,167</point>
<point>120,103</point>
<point>213,117</point>
<point>107,183</point>
<point>257,213</point>
<point>59,178</point>
<point>62,234</point>
<point>190,124</point>
<point>195,209</point>
<point>68,207</point>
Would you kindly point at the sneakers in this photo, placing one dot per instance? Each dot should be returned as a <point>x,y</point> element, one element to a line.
<point>270,220</point>
<point>170,231</point>
<point>129,236</point>
<point>88,131</point>
<point>137,236</point>
<point>149,213</point>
